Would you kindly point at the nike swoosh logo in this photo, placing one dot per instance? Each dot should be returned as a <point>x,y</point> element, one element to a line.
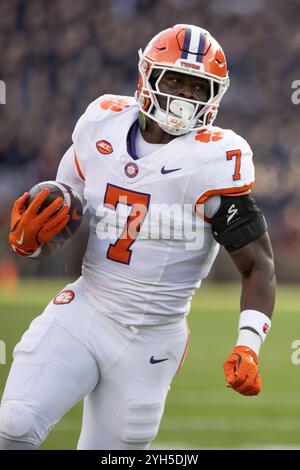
<point>165,172</point>
<point>20,241</point>
<point>75,216</point>
<point>155,361</point>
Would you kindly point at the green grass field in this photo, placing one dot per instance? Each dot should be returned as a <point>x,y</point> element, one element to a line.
<point>200,411</point>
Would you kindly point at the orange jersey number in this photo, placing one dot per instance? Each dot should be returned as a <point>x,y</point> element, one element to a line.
<point>120,251</point>
<point>237,154</point>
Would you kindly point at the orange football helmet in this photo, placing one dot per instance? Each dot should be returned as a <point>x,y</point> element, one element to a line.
<point>185,49</point>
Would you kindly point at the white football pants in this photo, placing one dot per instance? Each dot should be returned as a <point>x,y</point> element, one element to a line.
<point>71,352</point>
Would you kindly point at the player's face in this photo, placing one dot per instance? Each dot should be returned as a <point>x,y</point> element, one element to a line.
<point>183,85</point>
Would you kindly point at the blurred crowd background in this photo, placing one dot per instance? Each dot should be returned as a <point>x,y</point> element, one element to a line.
<point>59,55</point>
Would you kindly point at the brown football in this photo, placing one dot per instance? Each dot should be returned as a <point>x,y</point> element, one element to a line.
<point>71,199</point>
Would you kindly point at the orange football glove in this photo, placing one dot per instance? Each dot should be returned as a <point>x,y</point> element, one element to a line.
<point>30,230</point>
<point>241,371</point>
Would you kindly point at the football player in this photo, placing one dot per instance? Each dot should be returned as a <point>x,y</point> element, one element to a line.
<point>117,336</point>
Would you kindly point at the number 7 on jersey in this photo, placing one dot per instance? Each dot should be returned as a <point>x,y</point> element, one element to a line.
<point>120,251</point>
<point>237,170</point>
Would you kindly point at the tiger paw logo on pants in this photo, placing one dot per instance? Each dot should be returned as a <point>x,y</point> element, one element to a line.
<point>64,297</point>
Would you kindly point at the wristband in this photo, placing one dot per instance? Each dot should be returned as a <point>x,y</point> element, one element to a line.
<point>250,339</point>
<point>256,320</point>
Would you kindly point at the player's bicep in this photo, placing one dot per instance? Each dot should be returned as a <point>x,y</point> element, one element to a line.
<point>237,222</point>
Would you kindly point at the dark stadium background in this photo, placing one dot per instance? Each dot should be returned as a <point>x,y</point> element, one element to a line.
<point>55,58</point>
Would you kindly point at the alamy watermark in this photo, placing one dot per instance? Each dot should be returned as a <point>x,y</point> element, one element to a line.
<point>2,352</point>
<point>295,358</point>
<point>295,97</point>
<point>172,222</point>
<point>2,92</point>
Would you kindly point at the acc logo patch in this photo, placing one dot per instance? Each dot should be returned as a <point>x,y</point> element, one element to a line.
<point>104,147</point>
<point>64,297</point>
<point>206,136</point>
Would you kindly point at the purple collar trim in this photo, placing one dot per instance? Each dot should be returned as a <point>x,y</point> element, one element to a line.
<point>131,138</point>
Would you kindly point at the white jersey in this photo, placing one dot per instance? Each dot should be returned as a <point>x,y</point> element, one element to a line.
<point>150,244</point>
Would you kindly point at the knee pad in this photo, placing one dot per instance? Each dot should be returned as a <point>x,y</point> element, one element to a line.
<point>16,421</point>
<point>141,419</point>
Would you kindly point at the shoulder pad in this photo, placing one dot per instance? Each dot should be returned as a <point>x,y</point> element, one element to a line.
<point>230,168</point>
<point>103,107</point>
<point>217,138</point>
<point>108,105</point>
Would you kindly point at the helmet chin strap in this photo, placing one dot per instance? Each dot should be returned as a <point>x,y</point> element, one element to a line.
<point>176,123</point>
